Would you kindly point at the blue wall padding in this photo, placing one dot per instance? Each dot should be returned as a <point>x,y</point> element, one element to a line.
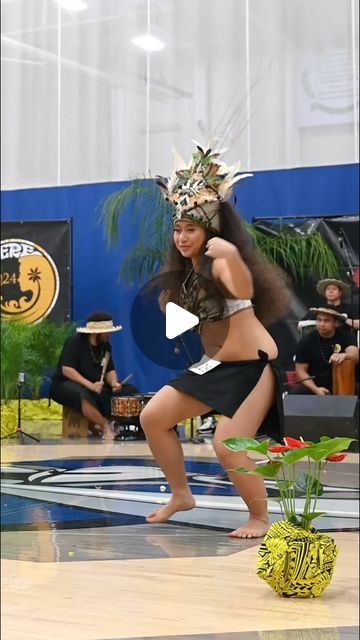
<point>308,191</point>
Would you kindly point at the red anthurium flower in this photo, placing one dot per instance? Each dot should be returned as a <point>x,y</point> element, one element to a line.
<point>278,448</point>
<point>293,443</point>
<point>336,457</point>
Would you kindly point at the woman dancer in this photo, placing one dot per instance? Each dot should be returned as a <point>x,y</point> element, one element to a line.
<point>213,270</point>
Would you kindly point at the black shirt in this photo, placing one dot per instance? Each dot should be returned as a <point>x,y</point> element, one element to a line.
<point>86,358</point>
<point>316,351</point>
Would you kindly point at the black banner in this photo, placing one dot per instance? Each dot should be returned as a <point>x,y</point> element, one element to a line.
<point>36,270</point>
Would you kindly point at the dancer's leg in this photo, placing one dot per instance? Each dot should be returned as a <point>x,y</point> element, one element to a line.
<point>245,422</point>
<point>166,408</point>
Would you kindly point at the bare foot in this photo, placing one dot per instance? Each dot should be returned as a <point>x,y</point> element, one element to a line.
<point>181,503</point>
<point>108,433</point>
<point>254,528</point>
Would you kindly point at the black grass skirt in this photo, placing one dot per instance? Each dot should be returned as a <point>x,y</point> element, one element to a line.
<point>225,388</point>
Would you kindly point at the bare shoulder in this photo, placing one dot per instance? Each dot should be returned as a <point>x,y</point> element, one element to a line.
<point>218,267</point>
<point>235,277</point>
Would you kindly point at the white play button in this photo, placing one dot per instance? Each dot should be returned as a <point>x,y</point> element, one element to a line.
<point>178,320</point>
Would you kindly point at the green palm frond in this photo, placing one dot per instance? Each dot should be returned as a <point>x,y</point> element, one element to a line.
<point>146,207</point>
<point>298,253</point>
<point>112,208</point>
<point>142,261</point>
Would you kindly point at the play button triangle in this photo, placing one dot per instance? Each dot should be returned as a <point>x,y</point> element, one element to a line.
<point>178,320</point>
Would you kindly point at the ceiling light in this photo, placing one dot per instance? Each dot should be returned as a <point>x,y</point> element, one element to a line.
<point>148,42</point>
<point>72,5</point>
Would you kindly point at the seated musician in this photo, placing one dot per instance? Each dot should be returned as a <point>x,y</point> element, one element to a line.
<point>334,291</point>
<point>85,377</point>
<point>321,349</point>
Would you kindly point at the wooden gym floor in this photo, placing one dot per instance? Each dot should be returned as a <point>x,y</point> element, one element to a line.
<point>79,560</point>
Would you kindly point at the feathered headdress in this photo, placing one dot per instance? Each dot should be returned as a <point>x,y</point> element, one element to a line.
<point>196,189</point>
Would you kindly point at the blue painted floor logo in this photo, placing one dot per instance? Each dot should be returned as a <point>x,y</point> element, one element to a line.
<point>88,492</point>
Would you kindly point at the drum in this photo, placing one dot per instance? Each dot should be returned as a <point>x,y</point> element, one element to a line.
<point>129,406</point>
<point>126,406</point>
<point>343,378</point>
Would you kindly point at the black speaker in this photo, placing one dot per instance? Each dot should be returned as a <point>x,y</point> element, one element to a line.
<point>314,416</point>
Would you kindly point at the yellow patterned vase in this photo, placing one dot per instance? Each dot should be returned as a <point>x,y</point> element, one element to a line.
<point>296,563</point>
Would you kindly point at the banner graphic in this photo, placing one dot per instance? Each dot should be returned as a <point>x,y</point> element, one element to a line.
<point>36,270</point>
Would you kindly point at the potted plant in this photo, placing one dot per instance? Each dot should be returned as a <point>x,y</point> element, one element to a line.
<point>294,558</point>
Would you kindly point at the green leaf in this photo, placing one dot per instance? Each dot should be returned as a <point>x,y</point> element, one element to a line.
<point>285,484</point>
<point>311,516</point>
<point>261,447</point>
<point>326,448</point>
<point>308,483</point>
<point>318,451</point>
<point>296,454</point>
<point>266,470</point>
<point>240,444</point>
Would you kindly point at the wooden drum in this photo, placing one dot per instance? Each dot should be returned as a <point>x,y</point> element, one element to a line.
<point>129,406</point>
<point>343,378</point>
<point>126,406</point>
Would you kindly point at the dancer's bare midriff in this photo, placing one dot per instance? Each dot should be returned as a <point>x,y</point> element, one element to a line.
<point>238,337</point>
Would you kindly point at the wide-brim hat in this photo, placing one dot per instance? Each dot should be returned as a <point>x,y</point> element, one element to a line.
<point>323,284</point>
<point>330,311</point>
<point>99,326</point>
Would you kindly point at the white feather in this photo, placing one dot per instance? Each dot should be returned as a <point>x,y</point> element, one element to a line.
<point>179,163</point>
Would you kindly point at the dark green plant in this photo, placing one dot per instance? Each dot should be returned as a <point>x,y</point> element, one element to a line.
<point>15,343</point>
<point>47,339</point>
<point>142,204</point>
<point>297,253</point>
<point>30,348</point>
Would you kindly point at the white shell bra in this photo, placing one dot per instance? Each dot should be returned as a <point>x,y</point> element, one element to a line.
<point>194,299</point>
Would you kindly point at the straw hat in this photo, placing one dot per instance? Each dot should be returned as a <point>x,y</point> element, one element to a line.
<point>330,311</point>
<point>99,326</point>
<point>323,284</point>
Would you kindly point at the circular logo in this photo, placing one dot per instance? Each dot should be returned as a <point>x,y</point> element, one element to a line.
<point>168,336</point>
<point>29,281</point>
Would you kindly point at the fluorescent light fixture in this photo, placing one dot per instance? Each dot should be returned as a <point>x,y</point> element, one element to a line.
<point>148,42</point>
<point>72,5</point>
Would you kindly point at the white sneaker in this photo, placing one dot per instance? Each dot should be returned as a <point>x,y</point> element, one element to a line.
<point>208,426</point>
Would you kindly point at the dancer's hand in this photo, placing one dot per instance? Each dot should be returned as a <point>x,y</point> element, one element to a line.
<point>220,248</point>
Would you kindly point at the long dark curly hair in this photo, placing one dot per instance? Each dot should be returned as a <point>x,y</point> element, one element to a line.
<point>271,298</point>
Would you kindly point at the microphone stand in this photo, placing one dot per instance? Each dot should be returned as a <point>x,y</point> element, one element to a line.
<point>183,344</point>
<point>19,432</point>
<point>194,439</point>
